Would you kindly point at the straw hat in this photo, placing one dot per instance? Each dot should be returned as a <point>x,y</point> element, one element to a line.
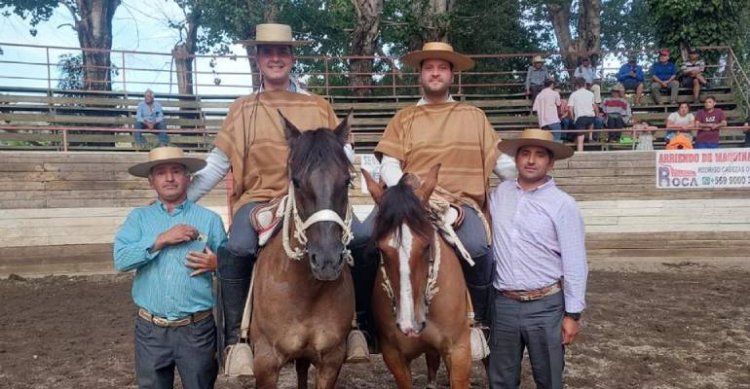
<point>537,58</point>
<point>438,50</point>
<point>273,34</point>
<point>162,155</point>
<point>535,137</point>
<point>618,88</point>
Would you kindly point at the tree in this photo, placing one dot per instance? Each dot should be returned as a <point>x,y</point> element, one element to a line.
<point>92,21</point>
<point>363,43</point>
<point>587,40</point>
<point>185,49</point>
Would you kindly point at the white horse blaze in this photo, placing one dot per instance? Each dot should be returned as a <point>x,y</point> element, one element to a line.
<point>405,317</point>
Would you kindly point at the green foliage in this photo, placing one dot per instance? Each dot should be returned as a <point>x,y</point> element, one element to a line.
<point>36,11</point>
<point>70,70</point>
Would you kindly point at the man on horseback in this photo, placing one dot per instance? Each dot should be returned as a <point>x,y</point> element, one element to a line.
<point>540,266</point>
<point>252,143</point>
<point>171,245</point>
<point>459,136</point>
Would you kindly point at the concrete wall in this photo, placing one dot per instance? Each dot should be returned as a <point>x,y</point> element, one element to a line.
<point>60,211</point>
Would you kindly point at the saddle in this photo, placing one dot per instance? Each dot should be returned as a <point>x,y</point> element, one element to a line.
<point>267,218</point>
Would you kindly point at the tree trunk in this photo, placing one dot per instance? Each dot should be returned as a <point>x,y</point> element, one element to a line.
<point>94,28</point>
<point>588,40</point>
<point>364,42</point>
<point>183,53</point>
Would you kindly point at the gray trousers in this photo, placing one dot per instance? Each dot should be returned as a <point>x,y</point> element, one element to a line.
<point>191,349</point>
<point>533,325</point>
<point>673,86</point>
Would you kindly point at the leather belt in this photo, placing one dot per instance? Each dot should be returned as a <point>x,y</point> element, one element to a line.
<point>532,295</point>
<point>162,322</point>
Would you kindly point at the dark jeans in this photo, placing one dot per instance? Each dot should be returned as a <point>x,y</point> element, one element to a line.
<point>568,124</point>
<point>555,128</point>
<point>163,137</point>
<point>615,122</point>
<point>191,349</point>
<point>533,325</point>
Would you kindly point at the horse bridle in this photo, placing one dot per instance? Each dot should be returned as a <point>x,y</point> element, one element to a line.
<point>300,226</point>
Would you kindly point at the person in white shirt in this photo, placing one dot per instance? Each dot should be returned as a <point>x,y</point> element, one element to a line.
<point>583,109</point>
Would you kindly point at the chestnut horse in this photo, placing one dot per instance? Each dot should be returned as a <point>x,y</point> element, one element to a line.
<point>419,302</point>
<point>303,297</point>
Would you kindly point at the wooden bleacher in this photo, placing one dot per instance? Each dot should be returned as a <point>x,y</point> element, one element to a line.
<point>103,120</point>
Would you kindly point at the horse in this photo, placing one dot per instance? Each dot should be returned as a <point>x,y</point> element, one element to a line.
<point>303,296</point>
<point>420,297</point>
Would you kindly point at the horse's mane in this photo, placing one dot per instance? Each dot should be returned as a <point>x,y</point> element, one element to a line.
<point>314,149</point>
<point>400,205</point>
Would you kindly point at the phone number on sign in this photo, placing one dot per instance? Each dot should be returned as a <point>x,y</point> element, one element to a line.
<point>724,180</point>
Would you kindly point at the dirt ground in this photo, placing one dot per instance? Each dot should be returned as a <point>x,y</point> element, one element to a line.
<point>686,326</point>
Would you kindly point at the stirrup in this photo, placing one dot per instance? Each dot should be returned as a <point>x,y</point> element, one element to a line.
<point>238,360</point>
<point>356,347</point>
<point>479,347</point>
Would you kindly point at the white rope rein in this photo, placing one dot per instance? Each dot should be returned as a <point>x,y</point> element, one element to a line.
<point>324,215</point>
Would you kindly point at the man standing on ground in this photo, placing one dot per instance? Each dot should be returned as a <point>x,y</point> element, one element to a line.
<point>252,143</point>
<point>663,74</point>
<point>709,120</point>
<point>150,115</point>
<point>459,137</point>
<point>171,245</point>
<point>540,266</point>
<point>547,106</point>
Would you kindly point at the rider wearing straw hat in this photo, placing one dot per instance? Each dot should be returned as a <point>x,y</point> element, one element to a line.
<point>171,245</point>
<point>440,130</point>
<point>252,143</point>
<point>540,265</point>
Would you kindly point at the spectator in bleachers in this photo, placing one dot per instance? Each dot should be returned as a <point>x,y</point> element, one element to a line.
<point>682,122</point>
<point>535,77</point>
<point>583,110</point>
<point>588,73</point>
<point>150,116</point>
<point>631,77</point>
<point>663,77</point>
<point>546,106</point>
<point>644,133</point>
<point>691,73</point>
<point>710,120</point>
<point>566,120</point>
<point>617,112</point>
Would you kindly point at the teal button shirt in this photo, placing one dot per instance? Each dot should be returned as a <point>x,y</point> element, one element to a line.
<point>163,285</point>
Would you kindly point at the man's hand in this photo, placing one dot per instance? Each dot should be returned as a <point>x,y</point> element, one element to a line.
<point>178,234</point>
<point>201,262</point>
<point>570,328</point>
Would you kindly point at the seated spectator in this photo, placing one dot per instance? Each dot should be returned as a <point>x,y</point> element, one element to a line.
<point>566,120</point>
<point>546,105</point>
<point>663,77</point>
<point>680,122</point>
<point>644,134</point>
<point>150,116</point>
<point>617,112</point>
<point>631,77</point>
<point>588,73</point>
<point>710,120</point>
<point>691,73</point>
<point>583,110</point>
<point>535,77</point>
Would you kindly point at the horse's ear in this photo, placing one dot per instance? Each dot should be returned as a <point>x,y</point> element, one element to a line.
<point>290,130</point>
<point>375,188</point>
<point>343,129</point>
<point>428,185</point>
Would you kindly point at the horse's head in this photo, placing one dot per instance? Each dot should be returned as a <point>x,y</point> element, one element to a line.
<point>404,234</point>
<point>320,174</point>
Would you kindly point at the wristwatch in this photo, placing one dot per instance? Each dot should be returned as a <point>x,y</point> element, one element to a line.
<point>575,316</point>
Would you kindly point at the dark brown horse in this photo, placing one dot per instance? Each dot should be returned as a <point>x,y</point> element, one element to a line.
<point>303,298</point>
<point>419,302</point>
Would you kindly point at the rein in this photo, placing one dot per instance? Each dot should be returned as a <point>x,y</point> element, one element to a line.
<point>432,274</point>
<point>324,215</point>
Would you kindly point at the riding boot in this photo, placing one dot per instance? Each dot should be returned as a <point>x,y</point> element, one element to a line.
<point>362,337</point>
<point>233,274</point>
<point>479,284</point>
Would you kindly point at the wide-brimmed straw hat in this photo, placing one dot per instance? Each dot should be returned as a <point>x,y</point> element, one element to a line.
<point>535,137</point>
<point>273,34</point>
<point>438,50</point>
<point>537,58</point>
<point>162,155</point>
